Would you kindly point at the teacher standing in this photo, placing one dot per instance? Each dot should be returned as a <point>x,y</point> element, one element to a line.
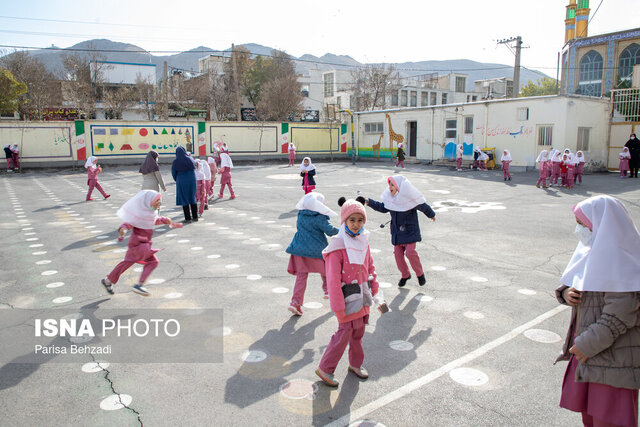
<point>151,176</point>
<point>183,171</point>
<point>633,144</point>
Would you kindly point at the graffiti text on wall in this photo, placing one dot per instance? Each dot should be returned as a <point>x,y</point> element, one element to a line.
<point>500,130</point>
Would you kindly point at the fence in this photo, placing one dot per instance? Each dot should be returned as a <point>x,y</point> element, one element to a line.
<point>626,105</point>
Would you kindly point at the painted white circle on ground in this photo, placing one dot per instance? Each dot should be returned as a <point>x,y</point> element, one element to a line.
<point>90,226</point>
<point>542,335</point>
<point>173,295</point>
<point>253,356</point>
<point>223,228</point>
<point>269,222</point>
<point>197,248</point>
<point>170,235</point>
<point>424,298</point>
<point>30,234</point>
<point>401,345</point>
<point>479,279</point>
<point>242,214</point>
<point>255,239</point>
<point>115,402</point>
<point>27,229</point>
<point>43,262</point>
<point>62,300</point>
<point>21,216</point>
<point>155,281</point>
<point>312,305</point>
<point>375,251</point>
<point>183,241</point>
<point>473,315</point>
<point>279,290</point>
<point>255,217</point>
<point>231,266</point>
<point>527,291</point>
<point>74,214</point>
<point>102,237</point>
<point>96,231</point>
<point>254,277</point>
<point>85,222</point>
<point>32,239</point>
<point>78,219</point>
<point>298,389</point>
<point>214,256</point>
<point>138,269</point>
<point>438,268</point>
<point>119,250</point>
<point>37,245</point>
<point>48,273</point>
<point>39,253</point>
<point>55,284</point>
<point>469,376</point>
<point>366,423</point>
<point>284,176</point>
<point>93,367</point>
<point>385,284</point>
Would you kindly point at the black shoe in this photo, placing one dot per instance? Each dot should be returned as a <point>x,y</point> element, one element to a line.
<point>509,178</point>
<point>206,208</point>
<point>107,286</point>
<point>186,221</point>
<point>505,179</point>
<point>422,280</point>
<point>403,281</point>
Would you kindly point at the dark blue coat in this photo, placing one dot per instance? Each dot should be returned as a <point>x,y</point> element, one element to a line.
<point>405,228</point>
<point>310,240</point>
<point>185,187</point>
<point>311,173</point>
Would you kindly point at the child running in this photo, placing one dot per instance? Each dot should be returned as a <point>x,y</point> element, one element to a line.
<point>307,245</point>
<point>602,344</point>
<point>93,170</point>
<point>625,157</point>
<point>542,162</point>
<point>139,213</point>
<point>579,166</point>
<point>353,287</point>
<point>404,201</point>
<point>225,170</point>
<point>213,170</point>
<point>506,161</point>
<point>307,172</point>
<point>400,155</point>
<point>201,185</point>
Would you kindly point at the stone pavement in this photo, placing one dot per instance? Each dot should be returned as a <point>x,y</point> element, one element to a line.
<point>475,346</point>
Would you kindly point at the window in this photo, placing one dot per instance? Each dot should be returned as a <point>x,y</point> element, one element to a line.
<point>444,98</point>
<point>474,98</point>
<point>339,102</point>
<point>451,127</point>
<point>305,91</point>
<point>509,89</point>
<point>394,99</point>
<point>583,139</point>
<point>376,127</point>
<point>523,113</point>
<point>628,58</point>
<point>414,98</point>
<point>461,82</point>
<point>434,99</point>
<point>468,124</point>
<point>590,75</point>
<point>403,98</point>
<point>328,84</point>
<point>544,135</point>
<point>571,13</point>
<point>424,99</point>
<point>583,4</point>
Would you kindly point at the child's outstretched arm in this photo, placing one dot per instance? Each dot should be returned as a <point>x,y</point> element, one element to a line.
<point>326,227</point>
<point>376,206</point>
<point>426,209</point>
<point>123,230</point>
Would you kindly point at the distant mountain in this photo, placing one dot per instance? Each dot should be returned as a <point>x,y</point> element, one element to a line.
<point>124,52</point>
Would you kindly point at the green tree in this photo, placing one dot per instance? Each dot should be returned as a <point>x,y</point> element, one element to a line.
<point>10,91</point>
<point>544,86</point>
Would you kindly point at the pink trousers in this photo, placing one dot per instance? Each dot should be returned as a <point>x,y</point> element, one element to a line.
<point>93,183</point>
<point>201,195</point>
<point>222,190</point>
<point>459,163</point>
<point>399,252</point>
<point>150,264</point>
<point>301,286</point>
<point>401,164</point>
<point>9,163</point>
<point>505,170</point>
<point>348,333</point>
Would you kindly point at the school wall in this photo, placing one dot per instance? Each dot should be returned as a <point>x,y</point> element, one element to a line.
<point>52,144</point>
<point>495,124</point>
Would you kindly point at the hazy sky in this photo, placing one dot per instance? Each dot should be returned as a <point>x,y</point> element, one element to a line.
<point>367,31</point>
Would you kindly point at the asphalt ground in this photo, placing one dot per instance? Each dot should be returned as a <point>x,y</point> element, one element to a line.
<point>474,346</point>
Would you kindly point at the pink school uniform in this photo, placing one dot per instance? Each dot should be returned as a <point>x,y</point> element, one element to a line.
<point>213,169</point>
<point>353,286</point>
<point>556,161</point>
<point>140,217</point>
<point>225,171</point>
<point>292,154</point>
<point>542,161</point>
<point>15,151</point>
<point>459,152</point>
<point>579,166</point>
<point>506,161</point>
<point>92,177</point>
<point>624,156</point>
<point>482,159</point>
<point>201,184</point>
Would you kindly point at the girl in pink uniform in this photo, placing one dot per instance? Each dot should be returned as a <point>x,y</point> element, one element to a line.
<point>225,170</point>
<point>353,287</point>
<point>625,156</point>
<point>201,185</point>
<point>459,153</point>
<point>556,161</point>
<point>92,180</point>
<point>506,161</point>
<point>213,168</point>
<point>140,213</point>
<point>542,161</point>
<point>579,166</point>
<point>292,154</point>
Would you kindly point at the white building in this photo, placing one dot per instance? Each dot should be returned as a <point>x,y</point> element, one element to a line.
<point>498,88</point>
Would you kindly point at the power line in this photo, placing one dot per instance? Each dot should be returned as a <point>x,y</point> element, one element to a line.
<point>82,22</point>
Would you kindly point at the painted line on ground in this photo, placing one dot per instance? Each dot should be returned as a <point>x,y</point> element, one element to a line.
<point>409,388</point>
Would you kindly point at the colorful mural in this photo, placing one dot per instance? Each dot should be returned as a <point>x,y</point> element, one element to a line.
<point>114,140</point>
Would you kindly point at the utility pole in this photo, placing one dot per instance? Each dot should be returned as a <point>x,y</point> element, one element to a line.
<point>516,68</point>
<point>165,94</point>
<point>235,82</point>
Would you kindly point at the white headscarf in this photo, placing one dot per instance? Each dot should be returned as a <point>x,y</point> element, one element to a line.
<point>625,153</point>
<point>610,262</point>
<point>7,145</point>
<point>206,170</point>
<point>89,162</point>
<point>307,168</point>
<point>407,197</point>
<point>459,150</point>
<point>314,202</point>
<point>200,167</point>
<point>557,157</point>
<point>506,157</point>
<point>483,156</point>
<point>225,161</point>
<point>292,146</point>
<point>542,157</point>
<point>138,212</point>
<point>211,160</point>
<point>579,157</point>
<point>356,247</point>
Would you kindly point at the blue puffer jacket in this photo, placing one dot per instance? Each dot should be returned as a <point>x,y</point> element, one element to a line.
<point>310,238</point>
<point>404,225</point>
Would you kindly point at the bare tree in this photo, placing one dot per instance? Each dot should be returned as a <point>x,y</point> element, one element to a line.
<point>372,85</point>
<point>117,100</point>
<point>145,94</point>
<point>84,81</point>
<point>220,99</point>
<point>280,99</point>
